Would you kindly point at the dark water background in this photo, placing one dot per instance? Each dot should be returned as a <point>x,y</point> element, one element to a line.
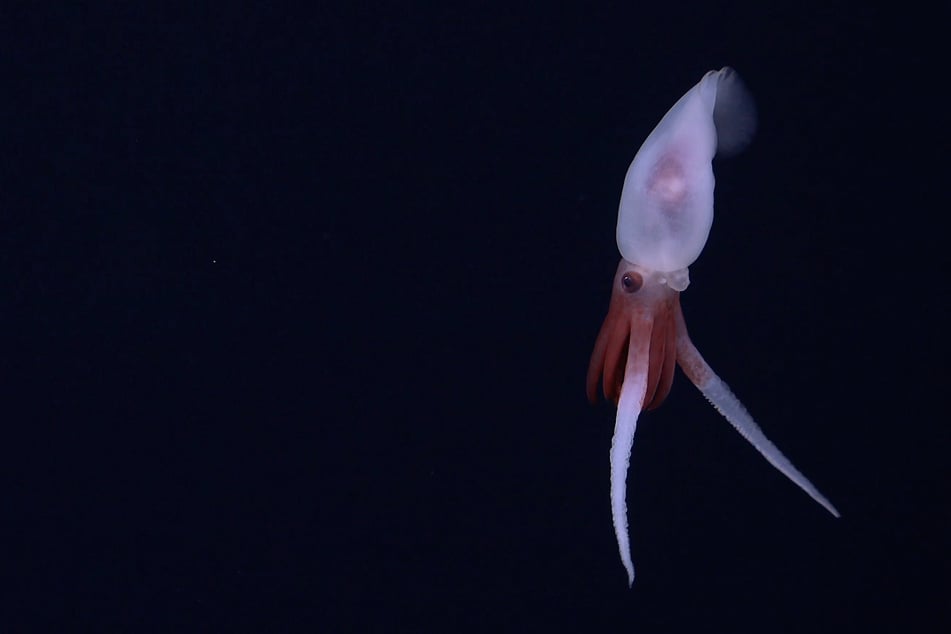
<point>296,307</point>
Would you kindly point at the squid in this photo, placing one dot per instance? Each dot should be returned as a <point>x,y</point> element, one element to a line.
<point>664,218</point>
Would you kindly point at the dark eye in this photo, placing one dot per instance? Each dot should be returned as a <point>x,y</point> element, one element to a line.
<point>632,282</point>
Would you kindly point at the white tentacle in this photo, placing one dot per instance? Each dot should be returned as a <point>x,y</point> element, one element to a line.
<point>628,410</point>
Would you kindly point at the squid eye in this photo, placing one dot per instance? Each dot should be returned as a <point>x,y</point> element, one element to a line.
<point>632,282</point>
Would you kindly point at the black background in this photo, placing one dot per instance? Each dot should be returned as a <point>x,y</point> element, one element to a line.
<point>296,308</point>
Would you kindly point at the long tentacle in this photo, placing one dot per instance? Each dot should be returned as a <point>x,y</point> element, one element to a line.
<point>720,396</point>
<point>629,408</point>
